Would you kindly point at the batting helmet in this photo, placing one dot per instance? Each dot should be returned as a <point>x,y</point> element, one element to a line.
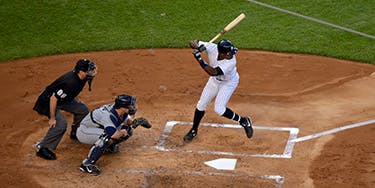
<point>126,101</point>
<point>84,65</point>
<point>226,46</point>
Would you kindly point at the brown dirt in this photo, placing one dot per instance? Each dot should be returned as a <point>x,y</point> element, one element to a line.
<point>308,92</point>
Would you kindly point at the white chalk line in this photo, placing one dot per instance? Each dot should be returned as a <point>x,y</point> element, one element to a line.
<point>293,132</point>
<point>316,135</point>
<point>278,179</point>
<point>287,152</point>
<point>313,19</point>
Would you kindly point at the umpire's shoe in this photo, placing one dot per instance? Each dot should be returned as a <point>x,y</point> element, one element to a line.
<point>90,168</point>
<point>246,123</point>
<point>44,153</point>
<point>190,135</point>
<point>73,133</point>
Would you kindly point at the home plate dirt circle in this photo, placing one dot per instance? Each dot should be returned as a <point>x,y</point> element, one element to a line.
<point>310,93</point>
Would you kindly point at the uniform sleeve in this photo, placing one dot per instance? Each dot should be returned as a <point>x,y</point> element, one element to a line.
<point>210,47</point>
<point>60,92</point>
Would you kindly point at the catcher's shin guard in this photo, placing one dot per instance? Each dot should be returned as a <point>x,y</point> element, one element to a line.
<point>113,147</point>
<point>98,149</point>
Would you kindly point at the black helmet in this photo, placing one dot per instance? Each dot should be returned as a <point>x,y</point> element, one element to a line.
<point>126,101</point>
<point>226,46</point>
<point>88,67</point>
<point>84,65</point>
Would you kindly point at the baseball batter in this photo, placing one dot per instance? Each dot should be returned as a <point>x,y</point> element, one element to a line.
<point>107,126</point>
<point>223,81</point>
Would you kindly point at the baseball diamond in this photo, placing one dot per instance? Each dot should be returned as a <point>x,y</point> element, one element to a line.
<point>308,93</point>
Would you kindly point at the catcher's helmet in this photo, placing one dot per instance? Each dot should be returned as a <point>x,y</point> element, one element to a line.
<point>84,65</point>
<point>226,46</point>
<point>126,101</point>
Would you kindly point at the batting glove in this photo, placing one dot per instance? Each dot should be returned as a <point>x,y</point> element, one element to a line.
<point>197,55</point>
<point>201,48</point>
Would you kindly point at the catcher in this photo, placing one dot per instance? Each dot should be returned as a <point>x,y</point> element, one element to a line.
<point>107,126</point>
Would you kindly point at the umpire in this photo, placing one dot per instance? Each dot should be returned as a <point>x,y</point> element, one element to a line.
<point>61,95</point>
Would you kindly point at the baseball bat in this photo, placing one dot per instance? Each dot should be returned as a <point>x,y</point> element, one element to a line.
<point>229,26</point>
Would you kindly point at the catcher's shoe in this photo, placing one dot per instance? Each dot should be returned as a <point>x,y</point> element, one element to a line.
<point>114,148</point>
<point>44,153</point>
<point>190,135</point>
<point>246,123</point>
<point>90,168</point>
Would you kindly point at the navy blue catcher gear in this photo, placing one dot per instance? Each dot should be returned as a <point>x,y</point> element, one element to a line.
<point>226,46</point>
<point>126,101</point>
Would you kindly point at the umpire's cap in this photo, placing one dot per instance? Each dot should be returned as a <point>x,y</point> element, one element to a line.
<point>84,65</point>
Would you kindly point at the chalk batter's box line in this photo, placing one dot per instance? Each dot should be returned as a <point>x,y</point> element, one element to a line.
<point>293,132</point>
<point>277,178</point>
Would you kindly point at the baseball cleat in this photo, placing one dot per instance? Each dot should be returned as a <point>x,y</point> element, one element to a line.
<point>246,123</point>
<point>190,135</point>
<point>73,135</point>
<point>90,168</point>
<point>36,146</point>
<point>44,153</point>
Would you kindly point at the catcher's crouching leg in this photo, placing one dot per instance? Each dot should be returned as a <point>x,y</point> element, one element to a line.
<point>96,151</point>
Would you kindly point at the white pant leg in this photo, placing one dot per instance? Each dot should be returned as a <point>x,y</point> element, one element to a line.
<point>88,135</point>
<point>226,90</point>
<point>209,92</point>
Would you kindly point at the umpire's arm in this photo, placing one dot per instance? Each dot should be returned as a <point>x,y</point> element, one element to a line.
<point>52,111</point>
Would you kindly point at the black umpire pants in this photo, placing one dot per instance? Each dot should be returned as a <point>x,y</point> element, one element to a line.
<point>55,134</point>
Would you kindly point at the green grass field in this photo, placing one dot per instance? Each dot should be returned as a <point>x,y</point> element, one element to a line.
<point>40,27</point>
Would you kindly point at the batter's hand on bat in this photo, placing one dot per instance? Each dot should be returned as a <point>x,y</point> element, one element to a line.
<point>194,44</point>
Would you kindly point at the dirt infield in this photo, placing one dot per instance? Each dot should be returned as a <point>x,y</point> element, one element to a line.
<point>310,93</point>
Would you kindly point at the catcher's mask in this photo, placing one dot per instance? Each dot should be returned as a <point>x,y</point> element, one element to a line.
<point>87,66</point>
<point>126,101</point>
<point>226,47</point>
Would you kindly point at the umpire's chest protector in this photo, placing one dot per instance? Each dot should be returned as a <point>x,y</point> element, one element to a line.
<point>69,83</point>
<point>42,103</point>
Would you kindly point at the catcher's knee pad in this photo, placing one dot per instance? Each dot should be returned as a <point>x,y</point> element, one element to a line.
<point>98,148</point>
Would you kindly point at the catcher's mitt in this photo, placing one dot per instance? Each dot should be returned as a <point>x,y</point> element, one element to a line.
<point>142,122</point>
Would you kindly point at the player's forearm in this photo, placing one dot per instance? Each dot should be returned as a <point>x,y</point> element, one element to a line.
<point>52,107</point>
<point>119,134</point>
<point>210,70</point>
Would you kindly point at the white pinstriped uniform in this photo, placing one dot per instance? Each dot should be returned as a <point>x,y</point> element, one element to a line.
<point>222,86</point>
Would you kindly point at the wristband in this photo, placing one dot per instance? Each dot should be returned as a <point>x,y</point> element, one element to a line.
<point>203,64</point>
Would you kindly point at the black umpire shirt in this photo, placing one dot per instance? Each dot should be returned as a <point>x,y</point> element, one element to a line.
<point>65,89</point>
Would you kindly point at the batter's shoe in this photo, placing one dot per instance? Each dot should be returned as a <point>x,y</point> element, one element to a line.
<point>246,123</point>
<point>90,168</point>
<point>114,148</point>
<point>190,135</point>
<point>44,153</point>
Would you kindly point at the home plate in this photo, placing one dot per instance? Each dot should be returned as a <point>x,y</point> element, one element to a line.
<point>222,164</point>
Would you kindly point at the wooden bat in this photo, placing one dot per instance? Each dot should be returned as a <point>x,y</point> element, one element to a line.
<point>229,26</point>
